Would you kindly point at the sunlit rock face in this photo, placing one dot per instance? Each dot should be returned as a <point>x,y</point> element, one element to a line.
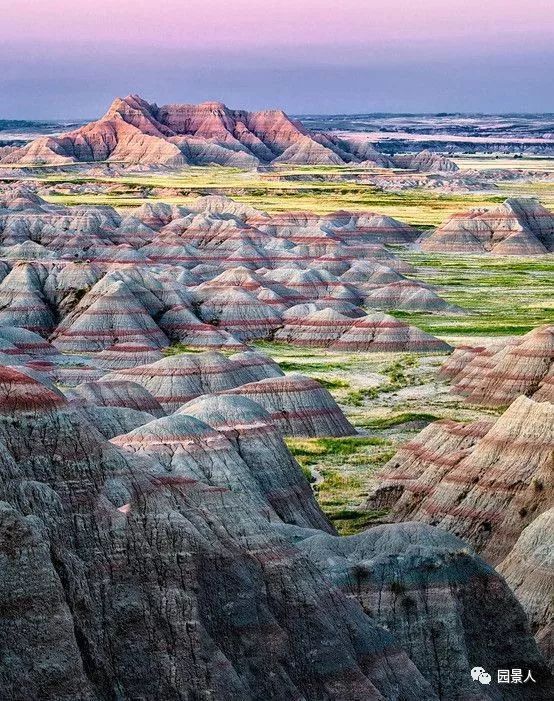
<point>495,374</point>
<point>484,482</point>
<point>518,227</point>
<point>136,132</point>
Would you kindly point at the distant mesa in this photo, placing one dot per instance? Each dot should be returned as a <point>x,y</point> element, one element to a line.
<point>134,132</point>
<point>425,162</point>
<point>519,226</point>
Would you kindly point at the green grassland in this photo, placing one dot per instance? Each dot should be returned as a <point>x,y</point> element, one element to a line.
<point>320,189</point>
<point>339,469</point>
<point>418,207</point>
<point>500,295</point>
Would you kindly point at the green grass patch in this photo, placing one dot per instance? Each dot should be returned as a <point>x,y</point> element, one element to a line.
<point>352,521</point>
<point>180,348</point>
<point>339,470</point>
<point>397,420</point>
<point>331,382</point>
<point>308,366</point>
<point>310,451</point>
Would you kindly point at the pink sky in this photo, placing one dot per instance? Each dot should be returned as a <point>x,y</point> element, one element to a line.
<point>362,53</point>
<point>229,23</point>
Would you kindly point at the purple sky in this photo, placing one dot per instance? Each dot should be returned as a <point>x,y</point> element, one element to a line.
<point>69,58</point>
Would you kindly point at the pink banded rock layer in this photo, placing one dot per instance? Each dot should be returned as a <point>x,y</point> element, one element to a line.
<point>298,405</point>
<point>136,132</point>
<point>250,428</point>
<point>519,227</point>
<point>484,482</point>
<point>214,274</point>
<point>119,553</point>
<point>498,373</point>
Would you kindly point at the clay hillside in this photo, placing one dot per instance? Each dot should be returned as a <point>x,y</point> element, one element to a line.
<point>214,274</point>
<point>134,131</point>
<point>495,373</point>
<point>519,226</point>
<point>187,558</point>
<point>489,482</point>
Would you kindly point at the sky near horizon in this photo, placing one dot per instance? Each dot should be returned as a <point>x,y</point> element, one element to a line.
<point>69,58</point>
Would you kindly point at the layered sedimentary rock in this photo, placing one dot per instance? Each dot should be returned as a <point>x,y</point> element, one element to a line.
<point>212,275</point>
<point>483,482</point>
<point>327,328</point>
<point>380,332</point>
<point>127,355</point>
<point>113,421</point>
<point>118,394</point>
<point>407,295</point>
<point>251,430</point>
<point>241,314</point>
<point>431,592</point>
<point>135,132</point>
<point>528,570</point>
<point>425,162</point>
<point>20,296</point>
<point>121,548</point>
<point>116,314</point>
<point>298,405</point>
<point>497,373</point>
<point>175,380</point>
<point>318,329</point>
<point>517,227</point>
<point>101,541</point>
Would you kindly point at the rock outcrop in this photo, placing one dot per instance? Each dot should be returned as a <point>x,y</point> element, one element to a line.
<point>129,571</point>
<point>425,162</point>
<point>298,405</point>
<point>253,433</point>
<point>118,394</point>
<point>378,332</point>
<point>497,373</point>
<point>431,592</point>
<point>177,379</point>
<point>485,482</point>
<point>135,132</point>
<point>212,275</point>
<point>528,570</point>
<point>519,227</point>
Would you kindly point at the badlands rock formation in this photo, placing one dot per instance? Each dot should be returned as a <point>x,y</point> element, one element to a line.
<point>425,162</point>
<point>496,373</point>
<point>215,275</point>
<point>175,380</point>
<point>118,394</point>
<point>490,483</point>
<point>135,132</point>
<point>518,227</point>
<point>298,405</point>
<point>528,571</point>
<point>426,587</point>
<point>327,328</point>
<point>485,482</point>
<point>156,566</point>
